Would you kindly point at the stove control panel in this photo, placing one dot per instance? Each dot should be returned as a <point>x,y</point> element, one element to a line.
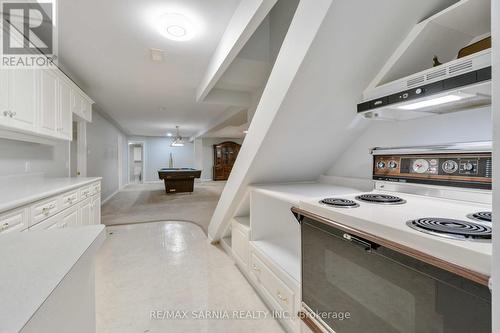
<point>459,170</point>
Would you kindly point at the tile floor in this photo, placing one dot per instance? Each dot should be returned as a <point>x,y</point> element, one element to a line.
<point>170,266</point>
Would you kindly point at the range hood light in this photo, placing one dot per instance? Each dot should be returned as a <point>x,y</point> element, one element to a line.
<point>431,102</point>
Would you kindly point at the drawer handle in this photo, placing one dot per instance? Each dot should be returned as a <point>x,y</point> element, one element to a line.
<point>5,226</point>
<point>282,298</point>
<point>70,200</point>
<point>255,268</point>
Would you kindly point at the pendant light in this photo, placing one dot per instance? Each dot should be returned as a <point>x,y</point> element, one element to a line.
<point>177,142</point>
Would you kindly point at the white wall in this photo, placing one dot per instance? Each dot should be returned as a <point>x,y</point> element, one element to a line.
<point>52,161</point>
<point>327,59</point>
<point>208,155</point>
<point>102,153</point>
<point>474,125</point>
<point>157,151</point>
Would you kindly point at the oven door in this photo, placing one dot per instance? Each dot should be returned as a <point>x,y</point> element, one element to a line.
<point>351,285</point>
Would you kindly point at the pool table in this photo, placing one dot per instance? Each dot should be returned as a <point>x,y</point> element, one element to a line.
<point>179,180</point>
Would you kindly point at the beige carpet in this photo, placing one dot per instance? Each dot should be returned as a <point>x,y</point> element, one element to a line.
<point>140,203</point>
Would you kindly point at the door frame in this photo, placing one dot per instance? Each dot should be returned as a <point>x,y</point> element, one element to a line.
<point>81,158</point>
<point>143,144</point>
<point>81,147</point>
<point>120,161</point>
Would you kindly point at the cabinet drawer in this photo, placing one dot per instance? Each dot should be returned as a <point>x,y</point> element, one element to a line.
<point>274,287</point>
<point>49,223</point>
<point>69,199</point>
<point>13,221</point>
<point>85,192</point>
<point>239,244</point>
<point>42,210</point>
<point>95,188</point>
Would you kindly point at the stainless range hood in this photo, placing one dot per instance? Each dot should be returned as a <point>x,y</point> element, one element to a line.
<point>455,86</point>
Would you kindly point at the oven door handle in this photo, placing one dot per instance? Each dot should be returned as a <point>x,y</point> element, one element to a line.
<point>365,244</point>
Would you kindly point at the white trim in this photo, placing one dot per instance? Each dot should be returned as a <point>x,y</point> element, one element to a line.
<point>153,182</point>
<point>109,197</point>
<point>120,161</point>
<point>143,143</point>
<point>81,149</point>
<point>246,19</point>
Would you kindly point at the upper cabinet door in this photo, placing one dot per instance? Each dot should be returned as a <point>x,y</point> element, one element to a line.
<point>75,102</point>
<point>22,99</point>
<point>80,105</point>
<point>65,112</point>
<point>4,97</point>
<point>49,102</point>
<point>86,107</point>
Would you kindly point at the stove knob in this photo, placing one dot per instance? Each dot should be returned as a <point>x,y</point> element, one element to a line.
<point>381,165</point>
<point>393,165</point>
<point>468,166</point>
<point>450,166</point>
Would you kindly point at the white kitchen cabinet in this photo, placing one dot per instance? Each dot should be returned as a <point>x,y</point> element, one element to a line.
<point>50,223</point>
<point>4,97</point>
<point>276,288</point>
<point>15,220</point>
<point>49,105</point>
<point>18,97</point>
<point>40,103</point>
<point>80,105</point>
<point>95,209</point>
<point>65,119</point>
<point>86,108</point>
<point>69,218</point>
<point>69,209</point>
<point>86,212</point>
<point>22,98</point>
<point>240,238</point>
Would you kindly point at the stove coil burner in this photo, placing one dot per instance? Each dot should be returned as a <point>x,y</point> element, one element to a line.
<point>381,199</point>
<point>339,203</point>
<point>450,228</point>
<point>481,216</point>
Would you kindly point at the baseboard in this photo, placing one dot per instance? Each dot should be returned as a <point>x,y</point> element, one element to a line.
<point>109,197</point>
<point>153,182</point>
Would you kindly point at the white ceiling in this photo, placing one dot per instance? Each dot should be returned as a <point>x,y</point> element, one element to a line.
<point>105,47</point>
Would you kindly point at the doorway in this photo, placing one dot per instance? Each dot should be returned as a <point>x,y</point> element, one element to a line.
<point>136,163</point>
<point>78,148</point>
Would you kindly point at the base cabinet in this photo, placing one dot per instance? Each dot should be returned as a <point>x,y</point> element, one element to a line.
<point>95,210</point>
<point>85,212</point>
<point>277,289</point>
<point>74,208</point>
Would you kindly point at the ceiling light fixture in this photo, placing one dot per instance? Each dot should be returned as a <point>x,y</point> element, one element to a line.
<point>175,26</point>
<point>177,142</point>
<point>431,102</point>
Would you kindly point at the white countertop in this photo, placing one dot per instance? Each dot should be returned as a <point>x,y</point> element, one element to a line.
<point>34,263</point>
<point>389,222</point>
<point>295,192</point>
<point>18,191</point>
